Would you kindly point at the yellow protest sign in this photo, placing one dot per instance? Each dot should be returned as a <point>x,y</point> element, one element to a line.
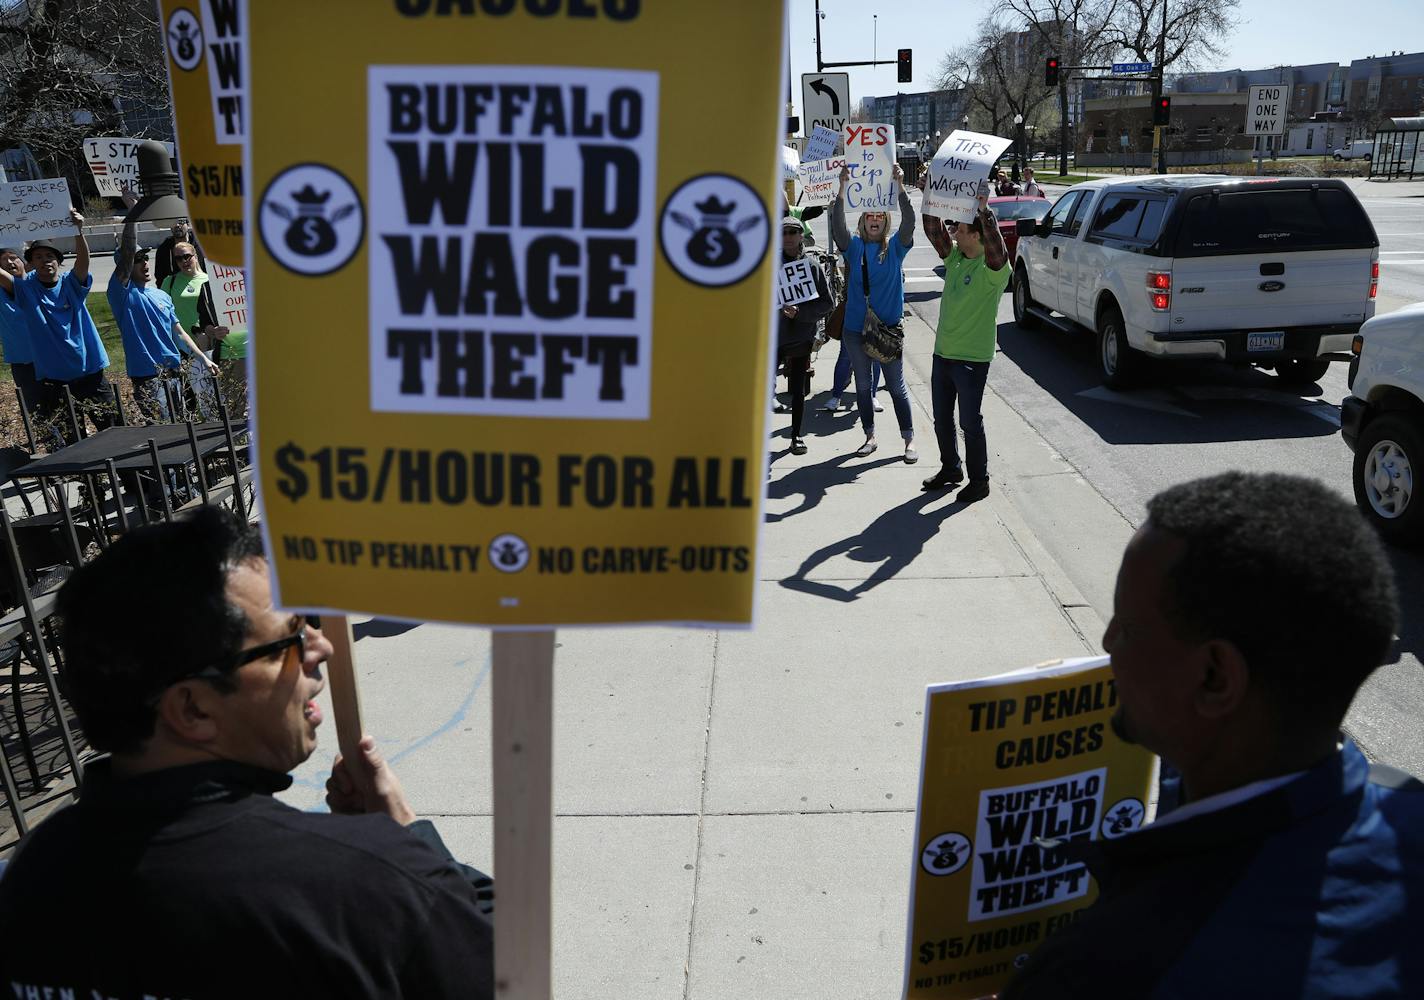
<point>1008,762</point>
<point>203,40</point>
<point>510,287</point>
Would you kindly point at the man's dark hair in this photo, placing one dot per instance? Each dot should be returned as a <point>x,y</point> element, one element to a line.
<point>5,250</point>
<point>149,610</point>
<point>1289,573</point>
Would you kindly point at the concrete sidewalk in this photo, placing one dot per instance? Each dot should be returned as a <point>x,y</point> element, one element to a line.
<point>735,810</point>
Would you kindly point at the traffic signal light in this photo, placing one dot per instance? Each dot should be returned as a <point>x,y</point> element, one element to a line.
<point>903,61</point>
<point>1162,111</point>
<point>1050,71</point>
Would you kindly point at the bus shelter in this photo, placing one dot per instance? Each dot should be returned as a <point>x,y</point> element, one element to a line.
<point>1398,150</point>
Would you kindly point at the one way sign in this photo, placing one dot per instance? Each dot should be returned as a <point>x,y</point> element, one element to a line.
<point>825,100</point>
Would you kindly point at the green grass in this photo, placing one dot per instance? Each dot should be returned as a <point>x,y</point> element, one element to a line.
<point>1052,178</point>
<point>108,333</point>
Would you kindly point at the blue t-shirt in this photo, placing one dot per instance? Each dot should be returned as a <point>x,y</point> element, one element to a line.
<point>145,317</point>
<point>887,283</point>
<point>63,338</point>
<point>14,337</point>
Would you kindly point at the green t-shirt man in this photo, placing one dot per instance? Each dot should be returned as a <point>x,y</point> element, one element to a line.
<point>969,308</point>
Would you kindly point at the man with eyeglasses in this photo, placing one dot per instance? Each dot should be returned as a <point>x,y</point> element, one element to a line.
<point>177,873</point>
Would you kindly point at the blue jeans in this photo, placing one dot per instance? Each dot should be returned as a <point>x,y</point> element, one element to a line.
<point>842,376</point>
<point>894,372</point>
<point>962,381</point>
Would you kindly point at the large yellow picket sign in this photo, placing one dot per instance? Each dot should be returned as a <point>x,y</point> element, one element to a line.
<point>203,39</point>
<point>1014,768</point>
<point>511,279</point>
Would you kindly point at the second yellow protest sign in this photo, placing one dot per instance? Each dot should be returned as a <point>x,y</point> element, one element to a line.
<point>203,41</point>
<point>511,284</point>
<point>1015,770</point>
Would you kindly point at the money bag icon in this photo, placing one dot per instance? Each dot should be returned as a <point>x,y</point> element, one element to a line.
<point>187,47</point>
<point>310,233</point>
<point>510,553</point>
<point>714,240</point>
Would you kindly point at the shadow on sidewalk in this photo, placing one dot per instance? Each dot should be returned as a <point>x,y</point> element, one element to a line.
<point>813,482</point>
<point>894,539</point>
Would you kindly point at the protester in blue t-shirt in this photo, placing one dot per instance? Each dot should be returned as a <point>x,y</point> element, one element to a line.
<point>65,342</point>
<point>882,256</point>
<point>150,328</point>
<point>15,337</point>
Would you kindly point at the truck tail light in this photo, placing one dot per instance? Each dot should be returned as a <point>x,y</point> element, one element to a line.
<point>1374,278</point>
<point>1159,290</point>
<point>1357,344</point>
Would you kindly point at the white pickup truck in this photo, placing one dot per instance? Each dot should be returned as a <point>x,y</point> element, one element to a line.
<point>1382,421</point>
<point>1275,272</point>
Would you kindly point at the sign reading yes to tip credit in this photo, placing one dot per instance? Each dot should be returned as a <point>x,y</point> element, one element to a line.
<point>485,289</point>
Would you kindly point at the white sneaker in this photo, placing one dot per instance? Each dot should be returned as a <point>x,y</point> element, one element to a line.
<point>831,405</point>
<point>879,406</point>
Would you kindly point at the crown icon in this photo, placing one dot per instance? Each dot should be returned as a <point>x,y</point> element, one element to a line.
<point>713,207</point>
<point>310,196</point>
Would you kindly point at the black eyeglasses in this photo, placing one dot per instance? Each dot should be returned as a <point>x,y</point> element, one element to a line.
<point>180,258</point>
<point>262,652</point>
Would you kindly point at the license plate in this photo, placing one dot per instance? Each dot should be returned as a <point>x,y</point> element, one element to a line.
<point>1273,341</point>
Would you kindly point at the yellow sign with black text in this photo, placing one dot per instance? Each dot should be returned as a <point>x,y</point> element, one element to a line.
<point>510,284</point>
<point>1015,769</point>
<point>203,40</point>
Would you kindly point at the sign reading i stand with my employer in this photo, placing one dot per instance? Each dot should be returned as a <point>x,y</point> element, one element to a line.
<point>1266,109</point>
<point>113,160</point>
<point>203,40</point>
<point>1010,762</point>
<point>482,289</point>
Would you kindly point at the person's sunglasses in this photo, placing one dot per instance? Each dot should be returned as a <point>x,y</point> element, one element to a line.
<point>182,257</point>
<point>267,649</point>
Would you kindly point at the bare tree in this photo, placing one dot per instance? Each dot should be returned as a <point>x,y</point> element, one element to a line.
<point>1073,30</point>
<point>1000,78</point>
<point>1195,30</point>
<point>67,67</point>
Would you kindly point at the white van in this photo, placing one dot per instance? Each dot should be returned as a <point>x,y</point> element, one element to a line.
<point>1360,149</point>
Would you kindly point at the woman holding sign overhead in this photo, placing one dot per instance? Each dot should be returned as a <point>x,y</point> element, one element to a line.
<point>875,306</point>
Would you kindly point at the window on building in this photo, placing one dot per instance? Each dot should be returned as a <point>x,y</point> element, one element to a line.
<point>1309,138</point>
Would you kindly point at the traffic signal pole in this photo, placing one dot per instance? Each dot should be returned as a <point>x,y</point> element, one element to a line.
<point>1158,147</point>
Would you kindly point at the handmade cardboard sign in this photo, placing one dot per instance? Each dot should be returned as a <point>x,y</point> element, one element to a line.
<point>795,283</point>
<point>1010,762</point>
<point>31,210</point>
<point>481,290</point>
<point>203,41</point>
<point>821,144</point>
<point>113,160</point>
<point>820,180</point>
<point>870,155</point>
<point>961,162</point>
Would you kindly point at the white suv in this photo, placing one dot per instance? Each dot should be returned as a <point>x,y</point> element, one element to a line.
<point>1383,422</point>
<point>1276,272</point>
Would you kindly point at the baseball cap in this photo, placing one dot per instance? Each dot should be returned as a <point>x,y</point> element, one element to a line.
<point>791,222</point>
<point>140,254</point>
<point>42,245</point>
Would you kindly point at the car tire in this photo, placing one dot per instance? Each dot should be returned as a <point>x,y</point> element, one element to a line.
<point>1389,458</point>
<point>1117,361</point>
<point>1302,371</point>
<point>1339,158</point>
<point>1023,301</point>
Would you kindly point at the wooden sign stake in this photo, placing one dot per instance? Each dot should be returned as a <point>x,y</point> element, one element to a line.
<point>341,676</point>
<point>523,733</point>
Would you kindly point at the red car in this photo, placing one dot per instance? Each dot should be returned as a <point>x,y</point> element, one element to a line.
<point>1010,210</point>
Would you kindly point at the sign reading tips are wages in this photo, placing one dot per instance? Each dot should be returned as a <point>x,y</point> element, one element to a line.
<point>870,155</point>
<point>958,166</point>
<point>33,209</point>
<point>205,67</point>
<point>505,261</point>
<point>1008,762</point>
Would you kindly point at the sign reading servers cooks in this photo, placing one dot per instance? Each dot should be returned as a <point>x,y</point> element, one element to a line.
<point>1018,772</point>
<point>514,306</point>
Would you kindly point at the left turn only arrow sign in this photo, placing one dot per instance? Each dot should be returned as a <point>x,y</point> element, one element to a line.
<point>825,100</point>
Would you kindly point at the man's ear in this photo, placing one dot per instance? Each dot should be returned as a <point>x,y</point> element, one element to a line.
<point>1223,677</point>
<point>190,711</point>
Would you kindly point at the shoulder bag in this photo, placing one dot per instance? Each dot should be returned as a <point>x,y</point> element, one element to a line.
<point>881,341</point>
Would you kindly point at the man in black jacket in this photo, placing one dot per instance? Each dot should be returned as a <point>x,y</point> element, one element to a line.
<point>177,874</point>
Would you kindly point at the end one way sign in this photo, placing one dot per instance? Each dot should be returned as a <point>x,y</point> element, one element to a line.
<point>825,100</point>
<point>1266,110</point>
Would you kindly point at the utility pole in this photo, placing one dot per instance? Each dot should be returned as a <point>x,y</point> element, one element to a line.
<point>1159,148</point>
<point>822,65</point>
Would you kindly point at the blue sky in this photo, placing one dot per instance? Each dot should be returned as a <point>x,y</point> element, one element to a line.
<point>1270,32</point>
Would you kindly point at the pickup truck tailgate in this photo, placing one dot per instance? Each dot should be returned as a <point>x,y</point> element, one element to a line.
<point>1271,290</point>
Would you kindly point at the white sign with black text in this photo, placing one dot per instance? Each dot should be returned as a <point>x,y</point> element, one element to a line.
<point>113,160</point>
<point>1266,109</point>
<point>955,172</point>
<point>820,180</point>
<point>795,283</point>
<point>821,144</point>
<point>33,209</point>
<point>825,100</point>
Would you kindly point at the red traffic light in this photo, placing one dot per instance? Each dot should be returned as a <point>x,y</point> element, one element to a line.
<point>906,71</point>
<point>1050,71</point>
